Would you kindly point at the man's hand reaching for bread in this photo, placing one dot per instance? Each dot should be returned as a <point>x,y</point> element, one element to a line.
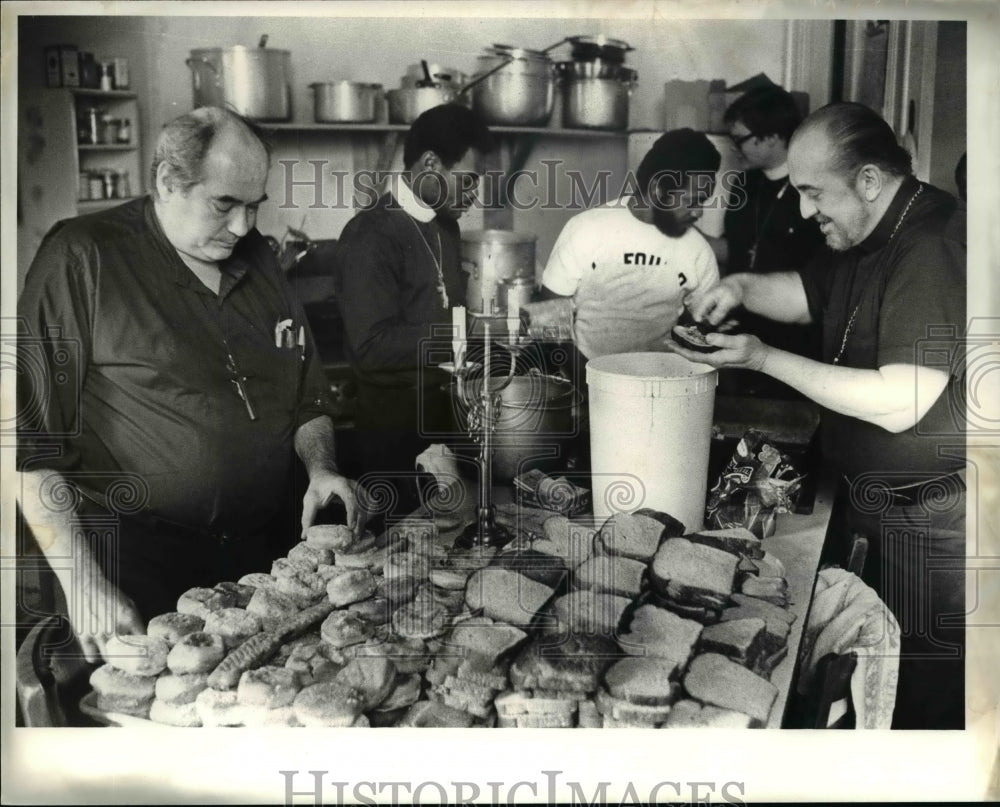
<point>325,487</point>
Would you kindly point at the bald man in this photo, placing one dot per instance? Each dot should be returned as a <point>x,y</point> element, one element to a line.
<point>168,381</point>
<point>889,294</point>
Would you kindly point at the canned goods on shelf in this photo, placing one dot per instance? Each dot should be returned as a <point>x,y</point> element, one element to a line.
<point>96,186</point>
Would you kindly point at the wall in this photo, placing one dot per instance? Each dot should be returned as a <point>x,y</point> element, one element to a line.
<point>948,139</point>
<point>379,50</point>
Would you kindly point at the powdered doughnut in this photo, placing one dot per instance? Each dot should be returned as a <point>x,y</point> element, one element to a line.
<point>357,584</point>
<point>175,714</point>
<point>240,591</point>
<point>258,717</point>
<point>219,708</point>
<point>272,606</point>
<point>197,652</point>
<point>376,610</point>
<point>119,691</point>
<point>258,580</point>
<point>334,537</point>
<point>373,676</point>
<point>407,564</point>
<point>343,628</point>
<point>202,601</point>
<point>139,655</point>
<point>269,687</point>
<point>184,688</point>
<point>305,552</point>
<point>172,626</point>
<point>328,704</point>
<point>234,625</point>
<point>304,588</point>
<point>420,620</point>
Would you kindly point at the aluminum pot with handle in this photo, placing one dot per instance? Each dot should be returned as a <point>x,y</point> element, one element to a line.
<point>409,103</point>
<point>255,82</point>
<point>492,257</point>
<point>596,103</point>
<point>345,101</point>
<point>514,87</point>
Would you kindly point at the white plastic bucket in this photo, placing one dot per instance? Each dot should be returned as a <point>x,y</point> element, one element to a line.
<point>650,433</point>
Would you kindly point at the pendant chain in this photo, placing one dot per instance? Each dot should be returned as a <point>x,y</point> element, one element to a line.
<point>857,308</point>
<point>438,260</point>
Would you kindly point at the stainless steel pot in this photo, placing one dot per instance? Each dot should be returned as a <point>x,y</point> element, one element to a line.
<point>408,103</point>
<point>444,76</point>
<point>595,68</point>
<point>492,257</point>
<point>534,423</point>
<point>519,92</point>
<point>599,47</point>
<point>255,82</point>
<point>345,101</point>
<point>596,103</point>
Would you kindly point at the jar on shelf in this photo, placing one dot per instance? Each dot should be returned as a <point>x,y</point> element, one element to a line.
<point>87,133</point>
<point>124,135</point>
<point>109,181</point>
<point>107,76</point>
<point>83,192</point>
<point>105,132</point>
<point>96,185</point>
<point>124,186</point>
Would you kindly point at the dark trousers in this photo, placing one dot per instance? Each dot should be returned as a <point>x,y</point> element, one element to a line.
<point>916,563</point>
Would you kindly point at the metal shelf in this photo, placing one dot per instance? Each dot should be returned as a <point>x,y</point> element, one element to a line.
<point>107,147</point>
<point>349,128</point>
<point>110,95</point>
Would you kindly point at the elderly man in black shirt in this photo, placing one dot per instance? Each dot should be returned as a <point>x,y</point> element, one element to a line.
<point>168,379</point>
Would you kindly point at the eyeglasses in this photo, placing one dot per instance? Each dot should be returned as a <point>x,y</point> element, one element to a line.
<point>739,140</point>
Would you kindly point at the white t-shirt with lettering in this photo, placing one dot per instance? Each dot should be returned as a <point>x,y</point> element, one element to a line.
<point>627,279</point>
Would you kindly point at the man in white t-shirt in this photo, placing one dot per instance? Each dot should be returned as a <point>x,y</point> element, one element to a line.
<point>628,265</point>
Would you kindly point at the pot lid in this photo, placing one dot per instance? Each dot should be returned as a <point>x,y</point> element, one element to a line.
<point>601,41</point>
<point>517,53</point>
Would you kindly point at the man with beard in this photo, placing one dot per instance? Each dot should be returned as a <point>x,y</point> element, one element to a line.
<point>890,298</point>
<point>627,266</point>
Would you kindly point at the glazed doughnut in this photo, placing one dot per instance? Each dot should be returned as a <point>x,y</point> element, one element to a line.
<point>319,660</point>
<point>234,625</point>
<point>328,704</point>
<point>139,655</point>
<point>376,610</point>
<point>202,601</point>
<point>183,688</point>
<point>119,691</point>
<point>272,607</point>
<point>258,580</point>
<point>328,571</point>
<point>241,592</point>
<point>219,708</point>
<point>352,586</point>
<point>258,717</point>
<point>304,588</point>
<point>283,567</point>
<point>269,687</point>
<point>197,652</point>
<point>373,676</point>
<point>313,555</point>
<point>334,537</point>
<point>420,620</point>
<point>343,628</point>
<point>173,626</point>
<point>175,714</point>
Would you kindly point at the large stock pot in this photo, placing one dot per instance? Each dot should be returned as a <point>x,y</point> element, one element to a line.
<point>517,87</point>
<point>255,82</point>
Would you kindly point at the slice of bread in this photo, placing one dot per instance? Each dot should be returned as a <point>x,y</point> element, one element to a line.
<point>432,714</point>
<point>738,540</point>
<point>770,589</point>
<point>659,633</point>
<point>506,595</point>
<point>715,680</point>
<point>642,681</point>
<point>586,612</point>
<point>689,714</point>
<point>572,541</point>
<point>623,710</point>
<point>673,528</point>
<point>741,640</point>
<point>630,534</point>
<point>777,620</point>
<point>610,574</point>
<point>694,574</point>
<point>570,663</point>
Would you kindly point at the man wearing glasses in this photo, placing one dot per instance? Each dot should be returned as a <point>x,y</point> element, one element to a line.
<point>167,381</point>
<point>764,230</point>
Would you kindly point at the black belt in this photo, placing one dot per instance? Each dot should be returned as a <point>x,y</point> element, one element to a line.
<point>907,495</point>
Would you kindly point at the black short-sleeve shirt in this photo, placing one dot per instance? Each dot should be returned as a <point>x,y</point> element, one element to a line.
<point>127,364</point>
<point>906,293</point>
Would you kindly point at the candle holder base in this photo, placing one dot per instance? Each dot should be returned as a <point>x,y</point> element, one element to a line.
<point>481,535</point>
